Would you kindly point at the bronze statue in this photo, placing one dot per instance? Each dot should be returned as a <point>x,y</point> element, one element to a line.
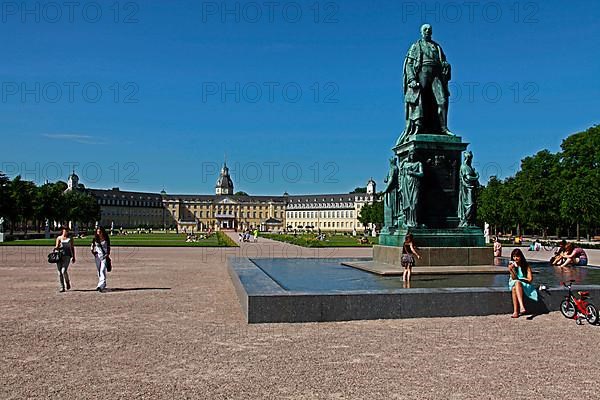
<point>426,76</point>
<point>469,181</point>
<point>411,172</point>
<point>391,204</point>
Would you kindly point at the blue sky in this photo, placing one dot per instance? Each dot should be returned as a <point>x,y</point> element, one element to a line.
<point>303,96</point>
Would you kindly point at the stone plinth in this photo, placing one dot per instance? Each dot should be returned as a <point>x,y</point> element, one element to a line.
<point>441,157</point>
<point>437,256</point>
<point>449,237</point>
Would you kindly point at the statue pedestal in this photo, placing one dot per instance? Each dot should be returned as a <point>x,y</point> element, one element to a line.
<point>1,237</point>
<point>441,156</point>
<point>441,237</point>
<point>439,256</point>
<point>438,198</point>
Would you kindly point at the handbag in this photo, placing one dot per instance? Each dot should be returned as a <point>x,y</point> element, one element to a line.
<point>55,257</point>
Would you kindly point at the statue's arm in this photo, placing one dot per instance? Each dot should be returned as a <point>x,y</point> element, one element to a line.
<point>410,63</point>
<point>419,173</point>
<point>446,67</point>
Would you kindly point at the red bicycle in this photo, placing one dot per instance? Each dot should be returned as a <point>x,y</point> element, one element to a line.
<point>578,309</point>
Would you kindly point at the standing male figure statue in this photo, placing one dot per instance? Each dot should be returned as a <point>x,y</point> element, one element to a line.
<point>426,76</point>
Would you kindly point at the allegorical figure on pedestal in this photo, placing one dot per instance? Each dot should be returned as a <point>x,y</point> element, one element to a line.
<point>391,205</point>
<point>426,76</point>
<point>469,181</point>
<point>411,172</point>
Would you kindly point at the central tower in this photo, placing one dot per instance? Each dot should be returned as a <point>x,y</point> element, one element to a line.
<point>224,183</point>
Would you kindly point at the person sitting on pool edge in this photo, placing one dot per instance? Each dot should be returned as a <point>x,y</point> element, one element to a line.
<point>574,256</point>
<point>520,282</point>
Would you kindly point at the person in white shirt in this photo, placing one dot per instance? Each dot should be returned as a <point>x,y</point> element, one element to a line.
<point>101,251</point>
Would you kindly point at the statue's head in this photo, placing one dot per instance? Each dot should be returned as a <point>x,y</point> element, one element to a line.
<point>392,161</point>
<point>411,155</point>
<point>426,31</point>
<point>467,156</point>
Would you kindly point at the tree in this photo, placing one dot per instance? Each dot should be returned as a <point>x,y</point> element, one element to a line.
<point>241,193</point>
<point>489,204</point>
<point>81,207</point>
<point>579,164</point>
<point>359,190</point>
<point>371,214</point>
<point>20,194</point>
<point>539,190</point>
<point>4,196</point>
<point>48,202</point>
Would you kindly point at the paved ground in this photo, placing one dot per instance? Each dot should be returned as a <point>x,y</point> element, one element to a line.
<point>171,328</point>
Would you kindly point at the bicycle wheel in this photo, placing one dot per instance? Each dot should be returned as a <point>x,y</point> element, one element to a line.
<point>591,314</point>
<point>567,308</point>
<point>548,247</point>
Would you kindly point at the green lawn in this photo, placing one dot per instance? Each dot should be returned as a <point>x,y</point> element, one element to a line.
<point>218,239</point>
<point>309,240</point>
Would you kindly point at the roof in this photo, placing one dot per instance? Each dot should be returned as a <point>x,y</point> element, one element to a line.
<point>116,193</point>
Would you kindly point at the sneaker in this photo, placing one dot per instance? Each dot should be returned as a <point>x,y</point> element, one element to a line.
<point>68,285</point>
<point>62,290</point>
<point>99,289</point>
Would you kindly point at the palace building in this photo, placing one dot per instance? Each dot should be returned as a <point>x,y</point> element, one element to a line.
<point>227,211</point>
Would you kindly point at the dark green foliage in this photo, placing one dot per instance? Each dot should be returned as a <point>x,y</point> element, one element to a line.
<point>23,204</point>
<point>551,193</point>
<point>371,214</point>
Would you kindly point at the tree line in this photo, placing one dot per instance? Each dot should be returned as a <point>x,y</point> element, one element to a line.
<point>554,194</point>
<point>24,205</point>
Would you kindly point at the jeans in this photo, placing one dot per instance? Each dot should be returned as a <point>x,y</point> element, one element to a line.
<point>101,269</point>
<point>63,275</point>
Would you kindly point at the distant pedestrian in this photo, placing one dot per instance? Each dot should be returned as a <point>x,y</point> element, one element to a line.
<point>65,244</point>
<point>497,247</point>
<point>408,257</point>
<point>255,235</point>
<point>101,252</point>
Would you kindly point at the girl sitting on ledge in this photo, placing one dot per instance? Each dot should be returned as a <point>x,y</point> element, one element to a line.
<point>520,282</point>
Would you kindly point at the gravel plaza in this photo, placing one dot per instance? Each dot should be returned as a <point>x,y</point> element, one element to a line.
<point>170,326</point>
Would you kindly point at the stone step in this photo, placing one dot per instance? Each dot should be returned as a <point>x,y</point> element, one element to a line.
<point>389,269</point>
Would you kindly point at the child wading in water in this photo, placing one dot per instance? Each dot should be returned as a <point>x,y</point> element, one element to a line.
<point>408,257</point>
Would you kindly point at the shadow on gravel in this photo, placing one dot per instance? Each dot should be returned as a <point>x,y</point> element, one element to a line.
<point>110,290</point>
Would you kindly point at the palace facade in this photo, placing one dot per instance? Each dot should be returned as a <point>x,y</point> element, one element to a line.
<point>226,211</point>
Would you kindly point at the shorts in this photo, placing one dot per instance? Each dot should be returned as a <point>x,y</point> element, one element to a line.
<point>407,260</point>
<point>582,261</point>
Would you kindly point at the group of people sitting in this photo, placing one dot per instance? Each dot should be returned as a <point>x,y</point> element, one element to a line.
<point>191,238</point>
<point>247,236</point>
<point>568,255</point>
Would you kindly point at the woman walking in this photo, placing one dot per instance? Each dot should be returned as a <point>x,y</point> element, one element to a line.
<point>408,257</point>
<point>101,252</point>
<point>64,244</point>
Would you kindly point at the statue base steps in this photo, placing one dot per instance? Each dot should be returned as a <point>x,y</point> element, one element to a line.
<point>423,237</point>
<point>437,256</point>
<point>380,268</point>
